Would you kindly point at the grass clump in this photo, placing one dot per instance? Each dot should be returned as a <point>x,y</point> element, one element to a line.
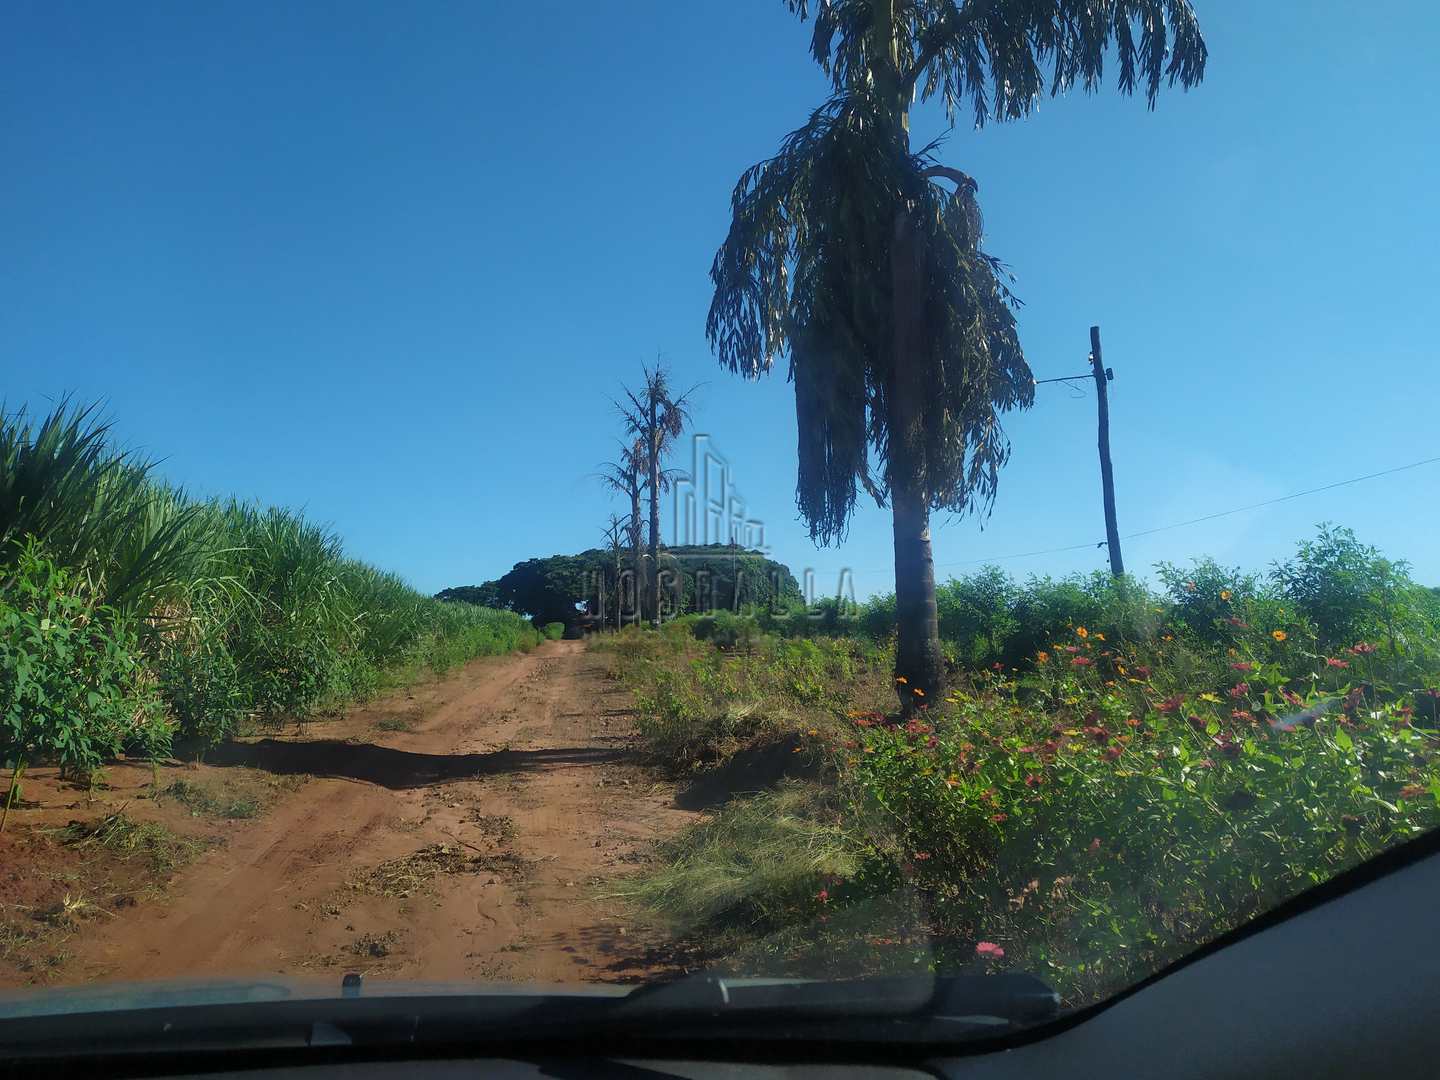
<point>751,863</point>
<point>394,724</point>
<point>163,850</point>
<point>234,797</point>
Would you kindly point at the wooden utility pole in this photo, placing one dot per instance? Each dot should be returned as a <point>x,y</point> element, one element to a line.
<point>1107,475</point>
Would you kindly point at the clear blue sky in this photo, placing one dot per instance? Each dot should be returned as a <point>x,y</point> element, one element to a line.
<point>389,264</point>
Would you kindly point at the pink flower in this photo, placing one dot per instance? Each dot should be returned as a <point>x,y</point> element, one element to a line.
<point>999,818</point>
<point>1363,648</point>
<point>1094,845</point>
<point>921,856</point>
<point>1244,665</point>
<point>1080,661</point>
<point>1239,690</point>
<point>1170,705</point>
<point>1330,661</point>
<point>988,950</point>
<point>823,896</point>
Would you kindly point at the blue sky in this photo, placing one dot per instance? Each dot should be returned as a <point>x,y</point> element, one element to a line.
<point>390,265</point>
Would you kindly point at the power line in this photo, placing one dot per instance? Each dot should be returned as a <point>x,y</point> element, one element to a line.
<point>1285,498</point>
<point>1191,521</point>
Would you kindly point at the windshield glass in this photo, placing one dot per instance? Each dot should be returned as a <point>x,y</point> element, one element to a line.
<point>508,495</point>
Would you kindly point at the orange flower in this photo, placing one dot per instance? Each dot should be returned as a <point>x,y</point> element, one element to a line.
<point>1099,636</point>
<point>1080,631</point>
<point>918,692</point>
<point>1279,635</point>
<point>901,679</point>
<point>1225,594</point>
<point>1042,656</point>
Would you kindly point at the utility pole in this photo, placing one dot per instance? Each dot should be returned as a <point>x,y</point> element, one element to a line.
<point>1102,376</point>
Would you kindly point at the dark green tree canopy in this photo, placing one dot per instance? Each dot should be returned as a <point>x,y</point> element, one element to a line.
<point>554,589</point>
<point>1003,56</point>
<point>806,269</point>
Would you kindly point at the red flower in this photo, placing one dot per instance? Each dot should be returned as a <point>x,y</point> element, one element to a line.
<point>1291,698</point>
<point>998,666</point>
<point>1330,661</point>
<point>1241,623</point>
<point>1244,665</point>
<point>1034,780</point>
<point>823,896</point>
<point>1243,716</point>
<point>1363,648</point>
<point>988,950</point>
<point>1142,671</point>
<point>1240,689</point>
<point>1080,661</point>
<point>921,856</point>
<point>1114,753</point>
<point>1133,722</point>
<point>998,818</point>
<point>1170,705</point>
<point>1413,791</point>
<point>1094,845</point>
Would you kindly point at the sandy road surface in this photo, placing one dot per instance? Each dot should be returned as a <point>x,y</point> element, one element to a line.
<point>515,795</point>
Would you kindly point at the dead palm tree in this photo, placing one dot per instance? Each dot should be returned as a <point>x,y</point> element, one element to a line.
<point>655,417</point>
<point>626,476</point>
<point>614,532</point>
<point>845,252</point>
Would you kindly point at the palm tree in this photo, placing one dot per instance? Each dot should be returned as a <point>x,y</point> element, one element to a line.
<point>626,477</point>
<point>655,417</point>
<point>615,531</point>
<point>846,252</point>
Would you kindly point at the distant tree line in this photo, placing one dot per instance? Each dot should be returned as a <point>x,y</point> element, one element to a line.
<point>590,587</point>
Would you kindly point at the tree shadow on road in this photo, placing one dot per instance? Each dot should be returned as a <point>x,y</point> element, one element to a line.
<point>398,769</point>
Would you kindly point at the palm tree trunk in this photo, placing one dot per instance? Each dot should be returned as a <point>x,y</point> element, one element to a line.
<point>636,565</point>
<point>653,570</point>
<point>919,660</point>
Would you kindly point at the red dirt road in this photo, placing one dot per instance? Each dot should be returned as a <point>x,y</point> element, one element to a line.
<point>515,783</point>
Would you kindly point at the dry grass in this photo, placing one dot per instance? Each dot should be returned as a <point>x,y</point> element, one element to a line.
<point>164,851</point>
<point>416,872</point>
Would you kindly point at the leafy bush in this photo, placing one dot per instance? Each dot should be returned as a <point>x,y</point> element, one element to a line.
<point>71,686</point>
<point>554,631</point>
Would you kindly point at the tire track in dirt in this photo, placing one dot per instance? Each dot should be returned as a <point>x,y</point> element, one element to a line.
<point>517,788</point>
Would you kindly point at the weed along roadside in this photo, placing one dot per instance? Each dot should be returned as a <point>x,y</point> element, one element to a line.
<point>1117,775</point>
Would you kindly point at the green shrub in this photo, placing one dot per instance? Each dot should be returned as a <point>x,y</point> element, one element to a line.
<point>72,688</point>
<point>553,631</point>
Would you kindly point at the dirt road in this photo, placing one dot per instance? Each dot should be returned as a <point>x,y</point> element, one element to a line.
<point>475,846</point>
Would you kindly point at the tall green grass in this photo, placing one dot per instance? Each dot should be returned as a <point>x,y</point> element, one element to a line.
<point>231,610</point>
